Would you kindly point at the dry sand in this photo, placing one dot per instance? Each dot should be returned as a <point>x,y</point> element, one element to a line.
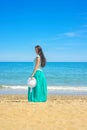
<point>58,113</point>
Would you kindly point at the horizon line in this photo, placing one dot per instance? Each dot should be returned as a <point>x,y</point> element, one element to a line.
<point>47,61</point>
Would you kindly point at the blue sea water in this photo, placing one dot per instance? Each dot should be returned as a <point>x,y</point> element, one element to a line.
<point>62,77</point>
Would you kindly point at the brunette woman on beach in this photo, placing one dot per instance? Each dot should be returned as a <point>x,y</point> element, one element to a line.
<point>39,92</point>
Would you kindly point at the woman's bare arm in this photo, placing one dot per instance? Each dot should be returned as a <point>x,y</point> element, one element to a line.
<point>36,66</point>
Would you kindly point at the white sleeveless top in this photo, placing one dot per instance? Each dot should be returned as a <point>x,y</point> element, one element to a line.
<point>39,68</point>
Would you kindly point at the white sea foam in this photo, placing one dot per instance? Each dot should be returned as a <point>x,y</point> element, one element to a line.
<point>67,88</point>
<point>50,88</point>
<point>14,86</point>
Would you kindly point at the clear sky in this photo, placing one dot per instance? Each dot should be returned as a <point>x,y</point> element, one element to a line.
<point>58,26</point>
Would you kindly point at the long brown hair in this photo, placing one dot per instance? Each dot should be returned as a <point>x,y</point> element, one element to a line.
<point>41,54</point>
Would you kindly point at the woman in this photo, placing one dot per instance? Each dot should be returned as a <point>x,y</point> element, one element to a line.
<point>39,92</point>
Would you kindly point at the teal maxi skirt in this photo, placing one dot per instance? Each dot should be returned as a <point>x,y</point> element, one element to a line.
<point>39,92</point>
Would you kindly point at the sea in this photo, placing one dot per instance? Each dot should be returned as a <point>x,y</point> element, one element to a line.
<point>63,78</point>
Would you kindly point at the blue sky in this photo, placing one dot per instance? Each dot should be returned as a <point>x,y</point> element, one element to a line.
<point>59,27</point>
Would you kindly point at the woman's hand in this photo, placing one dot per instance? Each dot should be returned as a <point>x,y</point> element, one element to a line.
<point>31,75</point>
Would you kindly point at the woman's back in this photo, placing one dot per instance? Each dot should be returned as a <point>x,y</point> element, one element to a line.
<point>39,68</point>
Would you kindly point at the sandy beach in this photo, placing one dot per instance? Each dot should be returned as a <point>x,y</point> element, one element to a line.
<point>58,113</point>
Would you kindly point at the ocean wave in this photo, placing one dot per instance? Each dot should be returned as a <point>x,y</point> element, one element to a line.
<point>50,88</point>
<point>67,88</point>
<point>13,87</point>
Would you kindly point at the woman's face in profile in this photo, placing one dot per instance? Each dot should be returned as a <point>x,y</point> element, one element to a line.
<point>36,49</point>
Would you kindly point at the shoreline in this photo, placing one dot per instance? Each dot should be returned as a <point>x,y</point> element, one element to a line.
<point>51,90</point>
<point>51,97</point>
